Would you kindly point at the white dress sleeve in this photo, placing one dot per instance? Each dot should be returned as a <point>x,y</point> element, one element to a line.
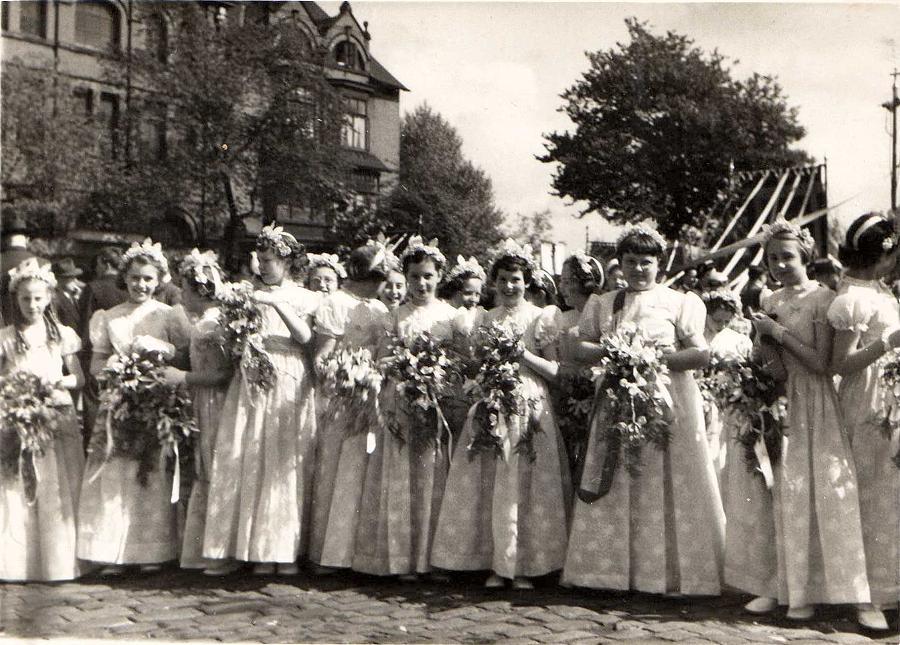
<point>848,312</point>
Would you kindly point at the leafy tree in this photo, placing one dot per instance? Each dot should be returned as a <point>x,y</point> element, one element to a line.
<point>247,102</point>
<point>440,193</point>
<point>532,228</point>
<point>657,125</point>
<point>51,158</point>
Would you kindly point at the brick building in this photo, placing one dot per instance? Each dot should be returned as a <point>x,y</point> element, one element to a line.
<point>75,39</point>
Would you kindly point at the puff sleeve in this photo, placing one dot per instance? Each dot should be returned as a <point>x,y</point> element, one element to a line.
<point>70,342</point>
<point>589,323</point>
<point>98,332</point>
<point>849,313</point>
<point>546,328</point>
<point>331,319</point>
<point>691,319</point>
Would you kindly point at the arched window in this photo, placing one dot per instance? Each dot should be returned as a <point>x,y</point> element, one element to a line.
<point>97,25</point>
<point>156,34</point>
<point>347,54</point>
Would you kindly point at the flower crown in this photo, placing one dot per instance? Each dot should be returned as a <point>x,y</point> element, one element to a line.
<point>146,249</point>
<point>543,279</point>
<point>509,248</point>
<point>327,260</point>
<point>465,267</point>
<point>275,236</point>
<point>203,269</point>
<point>642,230</point>
<point>723,296</point>
<point>31,269</point>
<point>384,256</point>
<point>781,227</point>
<point>588,264</point>
<point>416,243</point>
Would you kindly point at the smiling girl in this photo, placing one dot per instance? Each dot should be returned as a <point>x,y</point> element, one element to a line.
<point>37,541</point>
<point>120,521</point>
<point>661,531</point>
<point>260,487</point>
<point>508,513</point>
<point>818,534</point>
<point>405,478</point>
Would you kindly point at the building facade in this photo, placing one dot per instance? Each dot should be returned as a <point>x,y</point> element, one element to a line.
<point>75,39</point>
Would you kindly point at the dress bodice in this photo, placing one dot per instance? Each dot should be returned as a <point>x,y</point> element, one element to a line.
<point>43,358</point>
<point>799,309</point>
<point>536,325</point>
<point>730,345</point>
<point>409,320</point>
<point>303,301</point>
<point>865,306</point>
<point>355,321</point>
<point>114,330</point>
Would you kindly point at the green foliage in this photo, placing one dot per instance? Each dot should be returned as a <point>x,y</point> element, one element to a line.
<point>532,228</point>
<point>658,123</point>
<point>440,192</point>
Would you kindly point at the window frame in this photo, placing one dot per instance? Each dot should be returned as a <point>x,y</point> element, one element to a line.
<point>114,43</point>
<point>40,30</point>
<point>352,118</point>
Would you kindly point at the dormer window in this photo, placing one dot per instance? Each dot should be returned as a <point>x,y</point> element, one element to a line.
<point>348,56</point>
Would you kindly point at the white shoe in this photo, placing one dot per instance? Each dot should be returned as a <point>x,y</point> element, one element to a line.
<point>871,618</point>
<point>222,568</point>
<point>112,570</point>
<point>761,605</point>
<point>803,612</point>
<point>151,568</point>
<point>288,569</point>
<point>494,582</point>
<point>522,584</point>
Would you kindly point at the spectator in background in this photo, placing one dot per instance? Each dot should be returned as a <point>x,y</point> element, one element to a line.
<point>825,271</point>
<point>713,280</point>
<point>542,290</point>
<point>13,251</point>
<point>756,285</point>
<point>169,293</point>
<point>615,279</point>
<point>67,296</point>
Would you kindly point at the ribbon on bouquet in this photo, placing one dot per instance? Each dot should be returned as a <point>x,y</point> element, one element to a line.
<point>28,475</point>
<point>765,464</point>
<point>442,425</point>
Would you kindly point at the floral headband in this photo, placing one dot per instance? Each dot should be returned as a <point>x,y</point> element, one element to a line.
<point>203,269</point>
<point>329,261</point>
<point>782,228</point>
<point>146,249</point>
<point>545,281</point>
<point>642,230</point>
<point>509,248</point>
<point>384,256</point>
<point>31,269</point>
<point>417,244</point>
<point>588,264</point>
<point>275,237</point>
<point>723,297</point>
<point>464,267</point>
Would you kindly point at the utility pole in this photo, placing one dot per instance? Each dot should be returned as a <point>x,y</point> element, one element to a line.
<point>891,106</point>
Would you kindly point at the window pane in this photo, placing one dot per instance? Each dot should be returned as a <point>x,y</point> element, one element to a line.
<point>108,116</point>
<point>96,24</point>
<point>4,12</point>
<point>33,18</point>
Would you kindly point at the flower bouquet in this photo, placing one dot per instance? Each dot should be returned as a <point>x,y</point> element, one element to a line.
<point>500,401</point>
<point>631,379</point>
<point>31,419</point>
<point>352,381</point>
<point>422,371</point>
<point>744,389</point>
<point>241,320</point>
<point>890,403</point>
<point>145,416</point>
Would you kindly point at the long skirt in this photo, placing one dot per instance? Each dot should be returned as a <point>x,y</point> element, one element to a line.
<point>260,488</point>
<point>507,513</point>
<point>37,540</point>
<point>662,530</point>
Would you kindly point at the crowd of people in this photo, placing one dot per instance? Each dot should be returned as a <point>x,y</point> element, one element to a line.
<point>281,481</point>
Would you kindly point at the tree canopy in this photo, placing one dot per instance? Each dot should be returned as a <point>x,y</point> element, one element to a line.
<point>440,193</point>
<point>658,124</point>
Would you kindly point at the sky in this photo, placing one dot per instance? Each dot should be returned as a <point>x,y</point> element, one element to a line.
<point>495,72</point>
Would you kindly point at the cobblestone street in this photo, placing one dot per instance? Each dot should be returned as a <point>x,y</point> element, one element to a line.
<point>350,609</point>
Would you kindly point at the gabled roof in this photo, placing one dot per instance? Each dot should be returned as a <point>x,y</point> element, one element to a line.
<point>315,12</point>
<point>380,74</point>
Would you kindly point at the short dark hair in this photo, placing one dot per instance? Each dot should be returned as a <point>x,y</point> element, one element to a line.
<point>640,244</point>
<point>359,265</point>
<point>588,283</point>
<point>512,263</point>
<point>866,249</point>
<point>421,255</point>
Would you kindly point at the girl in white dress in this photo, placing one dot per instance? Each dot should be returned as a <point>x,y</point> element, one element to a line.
<point>260,487</point>
<point>663,530</point>
<point>405,477</point>
<point>866,324</point>
<point>818,530</point>
<point>341,457</point>
<point>121,521</point>
<point>508,513</point>
<point>37,536</point>
<point>208,378</point>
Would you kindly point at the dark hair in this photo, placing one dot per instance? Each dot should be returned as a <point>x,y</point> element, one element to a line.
<point>588,283</point>
<point>359,265</point>
<point>640,244</point>
<point>755,271</point>
<point>452,287</point>
<point>715,301</point>
<point>143,260</point>
<point>51,322</point>
<point>204,289</point>
<point>512,263</point>
<point>295,259</point>
<point>110,256</point>
<point>868,249</point>
<point>421,255</point>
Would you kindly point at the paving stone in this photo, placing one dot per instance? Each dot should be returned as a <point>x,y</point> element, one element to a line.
<point>570,625</point>
<point>572,636</point>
